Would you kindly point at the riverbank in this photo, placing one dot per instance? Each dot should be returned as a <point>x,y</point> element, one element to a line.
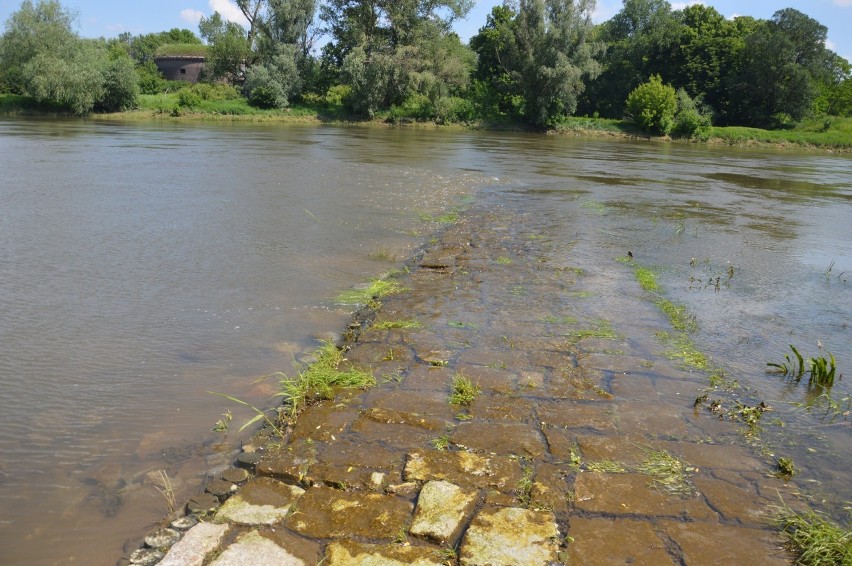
<point>511,423</point>
<point>823,134</point>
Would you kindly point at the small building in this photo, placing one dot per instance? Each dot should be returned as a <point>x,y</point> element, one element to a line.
<point>180,67</point>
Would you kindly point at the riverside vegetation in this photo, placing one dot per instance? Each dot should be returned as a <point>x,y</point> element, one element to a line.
<point>538,64</point>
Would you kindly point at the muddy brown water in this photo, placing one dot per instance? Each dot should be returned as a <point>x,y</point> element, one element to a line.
<point>144,265</point>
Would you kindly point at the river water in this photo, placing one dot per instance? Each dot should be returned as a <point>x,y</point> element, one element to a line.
<point>144,265</point>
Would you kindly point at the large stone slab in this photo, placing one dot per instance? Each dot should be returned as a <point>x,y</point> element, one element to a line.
<point>510,536</point>
<point>518,439</point>
<point>594,416</point>
<point>441,512</point>
<point>330,513</point>
<point>196,545</point>
<point>721,544</point>
<point>615,541</point>
<point>350,553</point>
<point>464,469</point>
<point>735,504</point>
<point>252,549</point>
<point>262,501</point>
<point>631,494</point>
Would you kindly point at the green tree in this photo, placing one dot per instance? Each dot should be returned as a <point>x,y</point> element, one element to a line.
<point>229,49</point>
<point>273,83</point>
<point>652,105</point>
<point>642,39</point>
<point>498,83</point>
<point>779,69</point>
<point>835,88</point>
<point>541,57</point>
<point>42,29</point>
<point>46,60</point>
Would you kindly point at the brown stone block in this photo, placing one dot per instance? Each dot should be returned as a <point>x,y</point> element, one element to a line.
<point>503,408</point>
<point>374,432</point>
<point>427,403</point>
<point>329,513</point>
<point>657,421</point>
<point>346,452</point>
<point>596,416</point>
<point>632,494</point>
<point>702,543</point>
<point>464,469</point>
<point>560,442</point>
<point>734,503</point>
<point>518,439</point>
<point>442,510</point>
<point>721,456</point>
<point>290,463</point>
<point>550,488</point>
<point>323,421</point>
<point>616,448</point>
<point>490,379</point>
<point>615,541</point>
<point>424,377</point>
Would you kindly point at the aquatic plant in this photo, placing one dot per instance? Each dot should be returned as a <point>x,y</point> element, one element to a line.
<point>823,370</point>
<point>647,279</point>
<point>606,466</point>
<point>223,424</point>
<point>377,289</point>
<point>503,260</point>
<point>784,468</point>
<point>816,540</point>
<point>599,329</point>
<point>523,490</point>
<point>166,490</point>
<point>667,473</point>
<point>408,323</point>
<point>464,391</point>
<point>382,254</point>
<point>442,442</point>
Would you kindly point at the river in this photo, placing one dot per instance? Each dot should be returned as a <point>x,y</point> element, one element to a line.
<point>144,265</point>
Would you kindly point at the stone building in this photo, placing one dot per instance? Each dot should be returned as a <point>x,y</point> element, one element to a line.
<point>180,67</point>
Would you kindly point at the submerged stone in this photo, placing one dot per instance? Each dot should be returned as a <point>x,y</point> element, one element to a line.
<point>203,503</point>
<point>509,537</point>
<point>146,556</point>
<point>184,523</point>
<point>464,469</point>
<point>350,553</point>
<point>263,501</point>
<point>615,541</point>
<point>235,475</point>
<point>162,538</point>
<point>442,509</point>
<point>330,513</point>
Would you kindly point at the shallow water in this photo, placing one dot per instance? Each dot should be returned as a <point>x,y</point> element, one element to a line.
<point>145,264</point>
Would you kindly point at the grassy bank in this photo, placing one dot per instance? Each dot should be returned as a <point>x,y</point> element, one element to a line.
<point>834,133</point>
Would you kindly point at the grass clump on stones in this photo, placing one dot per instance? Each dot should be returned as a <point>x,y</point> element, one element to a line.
<point>409,323</point>
<point>816,540</point>
<point>667,473</point>
<point>320,378</point>
<point>597,329</point>
<point>464,391</point>
<point>377,289</point>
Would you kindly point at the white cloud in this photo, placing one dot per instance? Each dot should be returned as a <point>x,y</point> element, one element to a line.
<point>830,45</point>
<point>682,5</point>
<point>843,3</point>
<point>229,11</point>
<point>191,16</point>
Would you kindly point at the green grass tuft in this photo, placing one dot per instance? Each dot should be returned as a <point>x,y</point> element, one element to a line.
<point>667,473</point>
<point>390,324</point>
<point>377,289</point>
<point>464,391</point>
<point>647,279</point>
<point>816,540</point>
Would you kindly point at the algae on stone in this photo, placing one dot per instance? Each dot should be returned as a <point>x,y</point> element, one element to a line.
<point>442,508</point>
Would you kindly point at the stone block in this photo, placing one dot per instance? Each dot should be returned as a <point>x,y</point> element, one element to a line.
<point>330,513</point>
<point>441,512</point>
<point>262,501</point>
<point>510,536</point>
<point>196,545</point>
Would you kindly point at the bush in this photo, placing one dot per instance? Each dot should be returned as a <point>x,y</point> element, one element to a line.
<point>338,95</point>
<point>121,89</point>
<point>692,120</point>
<point>272,84</point>
<point>416,107</point>
<point>188,98</point>
<point>652,106</point>
<point>452,109</point>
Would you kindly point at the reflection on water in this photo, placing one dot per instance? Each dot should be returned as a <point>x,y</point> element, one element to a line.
<point>143,265</point>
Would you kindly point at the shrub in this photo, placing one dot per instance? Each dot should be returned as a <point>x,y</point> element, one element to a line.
<point>691,120</point>
<point>452,109</point>
<point>338,95</point>
<point>272,84</point>
<point>188,98</point>
<point>121,90</point>
<point>652,105</point>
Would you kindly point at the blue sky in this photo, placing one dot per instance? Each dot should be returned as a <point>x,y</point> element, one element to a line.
<point>108,18</point>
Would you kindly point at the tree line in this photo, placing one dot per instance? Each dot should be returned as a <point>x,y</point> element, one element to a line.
<point>533,61</point>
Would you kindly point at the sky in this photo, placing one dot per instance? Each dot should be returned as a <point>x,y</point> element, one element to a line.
<point>108,18</point>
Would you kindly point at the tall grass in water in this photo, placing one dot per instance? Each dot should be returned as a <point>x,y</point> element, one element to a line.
<point>823,370</point>
<point>315,381</point>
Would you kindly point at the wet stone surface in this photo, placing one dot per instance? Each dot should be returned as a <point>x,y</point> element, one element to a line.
<point>544,465</point>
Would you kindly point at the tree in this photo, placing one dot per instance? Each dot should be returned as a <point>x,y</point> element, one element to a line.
<point>229,49</point>
<point>542,56</point>
<point>652,105</point>
<point>46,59</point>
<point>496,49</point>
<point>835,97</point>
<point>779,69</point>
<point>42,29</point>
<point>272,84</point>
<point>642,40</point>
